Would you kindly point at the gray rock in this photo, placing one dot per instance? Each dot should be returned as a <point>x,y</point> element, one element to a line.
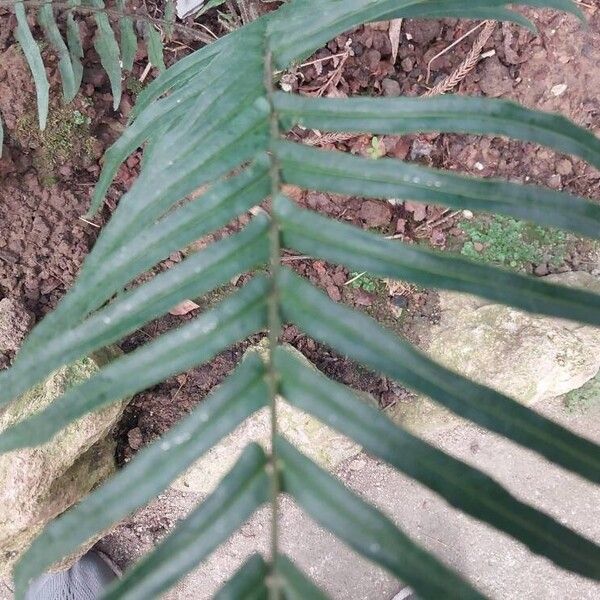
<point>37,484</point>
<point>391,87</point>
<point>495,79</point>
<point>527,357</point>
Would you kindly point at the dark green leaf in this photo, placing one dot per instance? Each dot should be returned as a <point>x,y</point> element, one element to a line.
<point>240,493</point>
<point>107,48</point>
<point>169,18</point>
<point>442,113</point>
<point>295,584</point>
<point>75,48</point>
<point>128,42</point>
<point>248,583</point>
<point>155,47</point>
<point>182,72</point>
<point>195,276</point>
<point>361,338</point>
<point>365,529</point>
<point>390,178</point>
<point>152,469</point>
<point>462,486</point>
<point>192,344</point>
<point>213,108</point>
<point>45,18</point>
<point>359,250</point>
<point>34,60</point>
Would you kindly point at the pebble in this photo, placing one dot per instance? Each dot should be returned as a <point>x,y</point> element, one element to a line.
<point>391,87</point>
<point>555,181</point>
<point>564,167</point>
<point>559,90</point>
<point>135,438</point>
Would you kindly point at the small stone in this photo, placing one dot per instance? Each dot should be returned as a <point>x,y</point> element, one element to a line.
<point>541,270</point>
<point>555,182</point>
<point>559,90</point>
<point>467,214</point>
<point>423,32</point>
<point>135,438</point>
<point>372,58</point>
<point>407,64</point>
<point>418,210</point>
<point>420,149</point>
<point>334,293</point>
<point>564,167</point>
<point>478,246</point>
<point>391,87</point>
<point>495,80</point>
<point>362,298</point>
<point>375,214</point>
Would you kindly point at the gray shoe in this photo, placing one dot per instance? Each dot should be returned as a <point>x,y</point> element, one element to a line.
<point>87,579</point>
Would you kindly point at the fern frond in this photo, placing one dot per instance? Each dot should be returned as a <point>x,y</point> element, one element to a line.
<point>214,120</point>
<point>34,60</point>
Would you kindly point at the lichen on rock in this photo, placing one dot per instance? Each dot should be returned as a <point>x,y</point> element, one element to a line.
<point>526,356</point>
<point>37,484</point>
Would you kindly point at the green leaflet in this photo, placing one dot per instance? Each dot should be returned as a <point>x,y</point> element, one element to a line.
<point>365,529</point>
<point>195,276</point>
<point>155,47</point>
<point>464,487</point>
<point>75,48</point>
<point>107,48</point>
<point>169,18</point>
<point>361,338</point>
<point>34,60</point>
<point>215,88</point>
<point>128,38</point>
<point>242,491</point>
<point>442,113</point>
<point>359,250</point>
<point>45,18</point>
<point>248,582</point>
<point>296,585</point>
<point>151,471</point>
<point>390,178</point>
<point>174,352</point>
<point>128,42</point>
<point>172,175</point>
<point>180,73</point>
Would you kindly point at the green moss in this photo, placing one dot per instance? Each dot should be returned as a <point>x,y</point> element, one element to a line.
<point>67,134</point>
<point>513,244</point>
<point>133,85</point>
<point>584,398</point>
<point>366,282</point>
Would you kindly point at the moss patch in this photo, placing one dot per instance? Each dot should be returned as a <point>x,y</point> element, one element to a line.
<point>67,134</point>
<point>512,243</point>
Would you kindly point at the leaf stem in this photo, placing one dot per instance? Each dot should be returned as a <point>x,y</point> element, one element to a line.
<point>274,324</point>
